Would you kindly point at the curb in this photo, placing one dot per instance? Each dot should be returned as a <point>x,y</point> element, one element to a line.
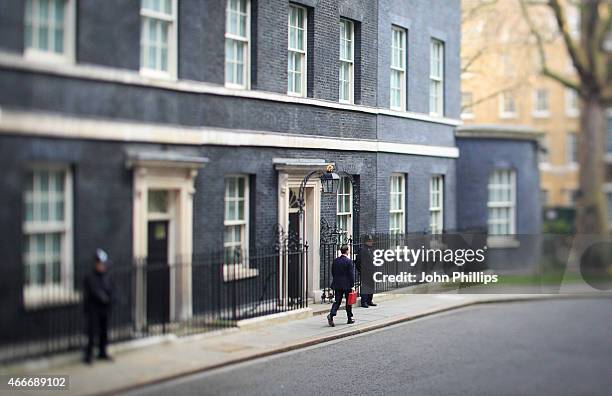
<point>348,333</point>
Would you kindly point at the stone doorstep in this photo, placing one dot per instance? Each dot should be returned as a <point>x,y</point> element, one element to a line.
<point>267,320</point>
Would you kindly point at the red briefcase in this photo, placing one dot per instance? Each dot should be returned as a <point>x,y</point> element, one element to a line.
<point>352,298</point>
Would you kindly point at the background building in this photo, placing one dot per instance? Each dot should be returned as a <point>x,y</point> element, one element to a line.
<point>501,84</point>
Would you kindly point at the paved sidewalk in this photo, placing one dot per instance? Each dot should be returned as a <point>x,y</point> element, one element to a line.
<point>183,356</point>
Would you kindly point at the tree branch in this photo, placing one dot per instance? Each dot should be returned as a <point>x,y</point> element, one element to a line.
<point>562,80</point>
<point>544,69</point>
<point>481,4</point>
<point>470,61</point>
<point>495,94</point>
<point>573,51</point>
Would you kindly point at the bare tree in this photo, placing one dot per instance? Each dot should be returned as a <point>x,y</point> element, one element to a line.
<point>590,56</point>
<point>483,25</point>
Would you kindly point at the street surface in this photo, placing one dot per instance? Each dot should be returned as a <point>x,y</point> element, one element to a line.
<point>560,347</point>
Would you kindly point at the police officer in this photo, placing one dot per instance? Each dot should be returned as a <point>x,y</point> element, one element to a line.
<point>97,292</point>
<point>365,267</point>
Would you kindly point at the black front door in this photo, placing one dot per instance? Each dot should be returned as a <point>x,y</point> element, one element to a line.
<point>294,272</point>
<point>158,273</point>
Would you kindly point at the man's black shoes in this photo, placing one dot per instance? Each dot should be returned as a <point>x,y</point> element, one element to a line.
<point>365,306</point>
<point>371,304</point>
<point>350,321</point>
<point>330,320</point>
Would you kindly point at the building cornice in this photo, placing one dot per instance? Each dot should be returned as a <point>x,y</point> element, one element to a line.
<point>491,131</point>
<point>128,77</point>
<point>27,123</point>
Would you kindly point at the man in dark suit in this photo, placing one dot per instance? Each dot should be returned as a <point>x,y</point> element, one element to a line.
<point>343,280</point>
<point>365,267</point>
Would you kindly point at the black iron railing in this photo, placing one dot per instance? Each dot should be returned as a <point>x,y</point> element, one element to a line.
<point>152,298</point>
<point>330,249</point>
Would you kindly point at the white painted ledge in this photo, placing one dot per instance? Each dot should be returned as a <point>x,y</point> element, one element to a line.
<point>16,122</point>
<point>503,242</point>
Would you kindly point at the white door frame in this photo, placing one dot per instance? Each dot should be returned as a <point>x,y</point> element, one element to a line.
<point>291,176</point>
<point>178,179</point>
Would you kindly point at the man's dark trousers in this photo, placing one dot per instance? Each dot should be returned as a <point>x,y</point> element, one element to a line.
<point>338,294</point>
<point>366,298</point>
<point>97,322</point>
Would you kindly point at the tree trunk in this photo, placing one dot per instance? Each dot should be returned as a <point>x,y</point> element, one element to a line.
<point>592,211</point>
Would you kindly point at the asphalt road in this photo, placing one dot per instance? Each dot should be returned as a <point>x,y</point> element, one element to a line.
<point>553,347</point>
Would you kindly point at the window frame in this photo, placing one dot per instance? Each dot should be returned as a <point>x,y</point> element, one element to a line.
<point>242,269</point>
<point>609,204</point>
<point>349,214</point>
<point>465,114</point>
<point>64,291</point>
<point>572,98</point>
<point>537,112</point>
<point>247,48</point>
<point>437,228</point>
<point>304,52</point>
<point>608,121</point>
<point>503,112</point>
<point>544,153</point>
<point>171,73</point>
<point>69,44</point>
<point>511,205</point>
<point>402,70</point>
<point>350,62</point>
<point>571,149</point>
<point>436,81</point>
<point>402,211</point>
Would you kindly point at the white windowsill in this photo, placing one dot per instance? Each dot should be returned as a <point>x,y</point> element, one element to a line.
<point>49,296</point>
<point>296,94</point>
<point>502,242</point>
<point>506,116</point>
<point>541,114</point>
<point>236,87</point>
<point>35,55</point>
<point>157,74</point>
<point>234,272</point>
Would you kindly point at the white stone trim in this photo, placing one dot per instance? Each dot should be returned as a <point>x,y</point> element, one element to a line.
<point>129,77</point>
<point>499,131</point>
<point>13,122</point>
<point>288,179</point>
<point>558,169</point>
<point>502,242</point>
<point>179,181</point>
